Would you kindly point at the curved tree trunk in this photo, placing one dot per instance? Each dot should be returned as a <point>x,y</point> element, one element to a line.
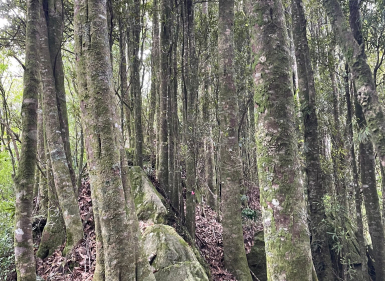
<point>64,182</point>
<point>230,161</point>
<point>24,180</point>
<point>283,204</point>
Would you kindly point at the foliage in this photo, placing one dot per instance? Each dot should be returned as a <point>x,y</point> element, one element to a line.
<point>7,210</point>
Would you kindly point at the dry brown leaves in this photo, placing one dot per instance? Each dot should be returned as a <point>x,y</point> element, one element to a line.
<point>80,264</point>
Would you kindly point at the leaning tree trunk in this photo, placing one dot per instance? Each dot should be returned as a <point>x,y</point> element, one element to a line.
<point>24,180</point>
<point>230,161</point>
<point>366,88</point>
<point>282,198</point>
<point>55,143</point>
<point>316,186</point>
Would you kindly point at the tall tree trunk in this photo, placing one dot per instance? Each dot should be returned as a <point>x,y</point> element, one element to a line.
<point>316,186</point>
<point>154,77</point>
<point>362,273</point>
<point>371,199</point>
<point>366,89</point>
<point>55,142</point>
<point>55,26</point>
<point>54,233</point>
<point>230,161</point>
<point>24,180</point>
<point>97,103</point>
<point>165,50</point>
<point>282,199</point>
<point>135,82</point>
<point>43,190</point>
<point>191,96</point>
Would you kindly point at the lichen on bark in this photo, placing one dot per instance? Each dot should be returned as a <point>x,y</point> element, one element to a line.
<point>282,196</point>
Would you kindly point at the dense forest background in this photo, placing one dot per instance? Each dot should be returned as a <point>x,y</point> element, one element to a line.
<point>255,129</point>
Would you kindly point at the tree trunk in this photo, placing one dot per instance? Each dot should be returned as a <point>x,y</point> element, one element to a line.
<point>154,77</point>
<point>116,253</point>
<point>371,199</point>
<point>362,273</point>
<point>165,50</point>
<point>24,180</point>
<point>366,89</point>
<point>230,161</point>
<point>55,143</point>
<point>316,187</point>
<point>135,82</point>
<point>54,233</point>
<point>282,199</point>
<point>191,96</point>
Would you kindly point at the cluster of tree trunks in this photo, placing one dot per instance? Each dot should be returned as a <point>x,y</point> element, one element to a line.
<point>200,114</point>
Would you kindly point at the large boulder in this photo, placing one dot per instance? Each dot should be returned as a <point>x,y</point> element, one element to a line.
<point>257,257</point>
<point>170,256</point>
<point>148,203</point>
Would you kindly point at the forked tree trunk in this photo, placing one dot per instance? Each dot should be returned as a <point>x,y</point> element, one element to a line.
<point>230,161</point>
<point>117,255</point>
<point>64,182</point>
<point>284,217</point>
<point>24,180</point>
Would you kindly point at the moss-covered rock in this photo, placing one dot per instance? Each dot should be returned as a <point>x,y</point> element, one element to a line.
<point>257,257</point>
<point>148,203</point>
<point>170,256</point>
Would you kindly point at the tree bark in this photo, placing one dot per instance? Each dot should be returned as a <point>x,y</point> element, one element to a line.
<point>362,273</point>
<point>366,89</point>
<point>315,184</point>
<point>191,96</point>
<point>282,199</point>
<point>230,161</point>
<point>135,82</point>
<point>24,180</point>
<point>154,77</point>
<point>63,180</point>
<point>371,199</point>
<point>165,50</point>
<point>117,256</point>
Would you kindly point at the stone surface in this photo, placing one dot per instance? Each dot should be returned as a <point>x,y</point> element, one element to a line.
<point>170,256</point>
<point>257,257</point>
<point>148,203</point>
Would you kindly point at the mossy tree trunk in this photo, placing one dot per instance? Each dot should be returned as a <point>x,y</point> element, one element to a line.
<point>230,161</point>
<point>362,272</point>
<point>366,89</point>
<point>165,58</point>
<point>54,233</point>
<point>371,199</point>
<point>282,197</point>
<point>154,77</point>
<point>135,81</point>
<point>42,173</point>
<point>315,185</point>
<point>190,98</point>
<point>117,256</point>
<point>24,180</point>
<point>64,182</point>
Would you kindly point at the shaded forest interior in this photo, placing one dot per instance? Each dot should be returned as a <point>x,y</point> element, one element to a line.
<point>192,140</point>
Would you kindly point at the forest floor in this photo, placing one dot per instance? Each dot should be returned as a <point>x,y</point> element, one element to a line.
<point>81,264</point>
